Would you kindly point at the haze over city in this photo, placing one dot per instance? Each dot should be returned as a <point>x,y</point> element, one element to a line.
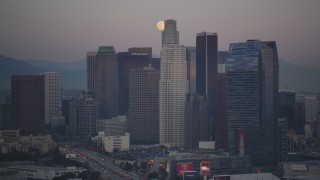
<point>65,30</point>
<point>168,90</point>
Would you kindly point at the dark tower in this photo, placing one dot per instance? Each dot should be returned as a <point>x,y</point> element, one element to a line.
<point>206,70</point>
<point>28,103</point>
<point>106,82</point>
<point>127,61</point>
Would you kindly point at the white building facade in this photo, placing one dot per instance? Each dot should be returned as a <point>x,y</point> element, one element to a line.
<point>121,143</point>
<point>52,99</point>
<point>173,88</point>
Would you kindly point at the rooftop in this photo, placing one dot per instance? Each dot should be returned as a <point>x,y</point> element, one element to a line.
<point>106,49</point>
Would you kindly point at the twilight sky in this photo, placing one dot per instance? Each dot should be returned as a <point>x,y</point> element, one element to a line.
<point>64,30</point>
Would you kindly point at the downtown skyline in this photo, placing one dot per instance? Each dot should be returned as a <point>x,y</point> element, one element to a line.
<point>62,31</point>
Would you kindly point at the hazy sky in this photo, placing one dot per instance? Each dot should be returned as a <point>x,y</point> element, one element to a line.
<point>63,30</point>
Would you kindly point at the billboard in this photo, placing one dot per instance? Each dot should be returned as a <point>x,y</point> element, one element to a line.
<point>242,135</point>
<point>205,168</point>
<point>182,167</point>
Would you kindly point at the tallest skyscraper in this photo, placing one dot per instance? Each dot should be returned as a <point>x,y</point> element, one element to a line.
<point>173,87</point>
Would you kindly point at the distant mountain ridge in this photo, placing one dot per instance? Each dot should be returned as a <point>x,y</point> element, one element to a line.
<point>50,65</point>
<point>298,78</point>
<point>73,74</point>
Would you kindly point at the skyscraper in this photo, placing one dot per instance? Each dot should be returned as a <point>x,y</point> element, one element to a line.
<point>283,139</point>
<point>106,82</point>
<point>127,61</point>
<point>197,128</point>
<point>143,111</point>
<point>220,115</point>
<point>311,108</point>
<point>220,104</point>
<point>53,115</point>
<point>191,64</point>
<point>287,105</point>
<point>207,50</point>
<point>252,99</point>
<point>91,60</point>
<point>173,88</point>
<point>206,70</point>
<point>83,113</point>
<point>170,35</point>
<point>28,103</point>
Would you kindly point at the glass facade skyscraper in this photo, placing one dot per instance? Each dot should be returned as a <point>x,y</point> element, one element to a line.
<point>252,100</point>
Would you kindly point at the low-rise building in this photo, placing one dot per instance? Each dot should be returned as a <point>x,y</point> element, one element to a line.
<point>10,140</point>
<point>117,126</point>
<point>121,143</point>
<point>43,172</point>
<point>301,168</point>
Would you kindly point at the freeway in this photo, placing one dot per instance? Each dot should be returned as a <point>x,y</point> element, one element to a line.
<point>104,165</point>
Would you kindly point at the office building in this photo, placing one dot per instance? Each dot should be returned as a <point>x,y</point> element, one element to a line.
<point>28,103</point>
<point>222,58</point>
<point>299,169</point>
<point>206,69</point>
<point>220,115</point>
<point>127,61</point>
<point>311,108</point>
<point>53,115</point>
<point>121,143</point>
<point>287,103</point>
<point>283,139</point>
<point>197,128</point>
<point>83,114</point>
<point>106,82</point>
<point>42,172</point>
<point>318,130</point>
<point>144,105</point>
<point>173,88</point>
<point>191,67</point>
<point>5,116</point>
<point>12,141</point>
<point>155,62</point>
<point>117,126</point>
<point>207,65</point>
<point>252,100</point>
<point>220,122</point>
<point>300,117</point>
<point>91,60</point>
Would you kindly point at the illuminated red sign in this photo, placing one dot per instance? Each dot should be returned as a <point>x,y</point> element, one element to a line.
<point>182,167</point>
<point>242,135</point>
<point>205,168</point>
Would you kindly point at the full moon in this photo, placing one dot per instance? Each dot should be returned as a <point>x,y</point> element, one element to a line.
<point>160,25</point>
